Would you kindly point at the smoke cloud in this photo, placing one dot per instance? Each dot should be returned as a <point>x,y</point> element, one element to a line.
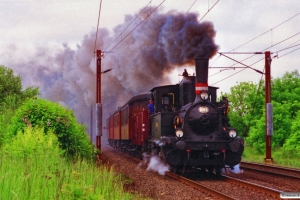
<point>154,163</point>
<point>139,62</point>
<point>236,169</point>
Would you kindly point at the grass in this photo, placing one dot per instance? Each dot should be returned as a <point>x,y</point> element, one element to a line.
<point>45,177</point>
<point>32,167</point>
<point>281,158</point>
<point>45,174</point>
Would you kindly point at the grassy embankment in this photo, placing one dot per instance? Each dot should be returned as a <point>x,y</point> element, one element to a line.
<point>32,167</point>
<point>286,159</point>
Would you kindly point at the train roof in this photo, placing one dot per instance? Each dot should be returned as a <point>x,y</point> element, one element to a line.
<point>159,87</point>
<point>213,87</point>
<point>140,97</point>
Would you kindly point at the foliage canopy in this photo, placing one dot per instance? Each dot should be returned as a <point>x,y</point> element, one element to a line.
<point>71,135</point>
<point>248,111</point>
<point>11,94</point>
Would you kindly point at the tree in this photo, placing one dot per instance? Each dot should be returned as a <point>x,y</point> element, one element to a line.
<point>11,94</point>
<point>245,106</point>
<point>292,144</point>
<point>248,110</point>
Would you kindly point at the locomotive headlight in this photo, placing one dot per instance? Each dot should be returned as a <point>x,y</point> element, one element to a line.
<point>203,109</point>
<point>204,95</point>
<point>232,133</point>
<point>179,133</point>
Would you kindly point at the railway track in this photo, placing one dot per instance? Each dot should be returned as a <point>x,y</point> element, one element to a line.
<point>238,187</point>
<point>252,186</point>
<point>257,181</point>
<point>262,191</point>
<point>284,172</point>
<point>199,186</point>
<point>189,182</point>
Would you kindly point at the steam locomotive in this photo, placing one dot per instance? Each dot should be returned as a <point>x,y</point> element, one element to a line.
<point>189,128</point>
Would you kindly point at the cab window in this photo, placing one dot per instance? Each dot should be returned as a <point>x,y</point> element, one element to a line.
<point>168,102</point>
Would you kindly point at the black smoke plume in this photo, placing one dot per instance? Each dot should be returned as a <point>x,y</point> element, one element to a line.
<point>141,61</point>
<point>161,43</point>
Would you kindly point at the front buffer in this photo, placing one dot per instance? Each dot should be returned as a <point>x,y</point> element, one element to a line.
<point>201,154</point>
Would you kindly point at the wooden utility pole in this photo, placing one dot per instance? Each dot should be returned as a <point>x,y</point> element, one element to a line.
<point>268,158</point>
<point>98,101</point>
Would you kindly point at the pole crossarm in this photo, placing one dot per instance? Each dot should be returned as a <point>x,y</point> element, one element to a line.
<point>242,63</point>
<point>241,52</point>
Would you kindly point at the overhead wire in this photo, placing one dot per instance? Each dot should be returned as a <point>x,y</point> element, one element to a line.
<point>208,11</point>
<point>285,40</point>
<point>97,25</point>
<point>266,31</point>
<point>127,26</point>
<point>254,55</point>
<point>213,62</point>
<point>241,63</point>
<point>260,82</point>
<point>289,52</point>
<point>286,49</point>
<point>191,7</point>
<point>137,26</point>
<point>260,36</point>
<point>237,72</point>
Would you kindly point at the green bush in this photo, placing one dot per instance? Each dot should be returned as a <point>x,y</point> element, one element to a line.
<point>32,167</point>
<point>31,142</point>
<point>71,135</point>
<point>11,96</point>
<point>292,143</point>
<point>4,121</point>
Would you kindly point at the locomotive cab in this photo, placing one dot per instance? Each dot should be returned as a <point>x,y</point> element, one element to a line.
<point>166,99</point>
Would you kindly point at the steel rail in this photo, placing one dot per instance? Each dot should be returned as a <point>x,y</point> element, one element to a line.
<point>271,173</point>
<point>198,186</point>
<point>188,182</point>
<point>287,169</point>
<point>261,188</point>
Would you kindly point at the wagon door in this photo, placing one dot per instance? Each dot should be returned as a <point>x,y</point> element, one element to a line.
<point>142,127</point>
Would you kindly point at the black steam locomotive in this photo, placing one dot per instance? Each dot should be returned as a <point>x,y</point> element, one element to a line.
<point>189,128</point>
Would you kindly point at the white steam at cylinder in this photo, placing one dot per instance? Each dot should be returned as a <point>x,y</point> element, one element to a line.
<point>154,163</point>
<point>141,61</point>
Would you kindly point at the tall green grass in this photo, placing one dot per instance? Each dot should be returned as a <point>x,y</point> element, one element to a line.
<point>280,157</point>
<point>32,167</point>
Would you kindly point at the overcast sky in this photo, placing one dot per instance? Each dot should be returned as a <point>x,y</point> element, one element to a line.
<point>50,43</point>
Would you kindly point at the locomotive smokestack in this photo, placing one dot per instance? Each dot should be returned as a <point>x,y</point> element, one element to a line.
<point>201,84</point>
